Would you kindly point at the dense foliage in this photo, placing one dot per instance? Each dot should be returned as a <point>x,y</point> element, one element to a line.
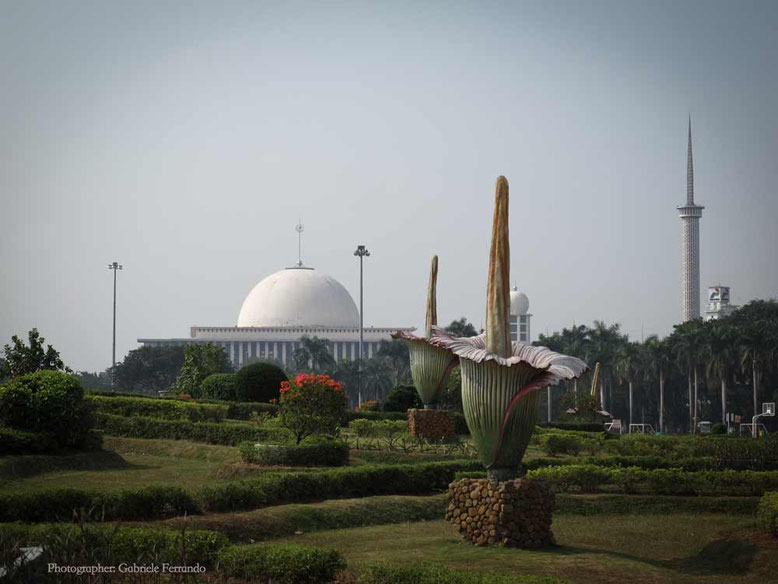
<point>312,404</point>
<point>259,382</point>
<point>200,361</point>
<point>281,563</point>
<point>313,451</point>
<point>21,359</point>
<point>767,514</point>
<point>167,409</point>
<point>402,398</point>
<point>50,402</point>
<point>220,386</point>
<point>210,433</point>
<point>149,369</point>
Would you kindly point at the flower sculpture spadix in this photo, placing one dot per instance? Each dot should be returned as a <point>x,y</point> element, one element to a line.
<point>500,379</point>
<point>430,363</point>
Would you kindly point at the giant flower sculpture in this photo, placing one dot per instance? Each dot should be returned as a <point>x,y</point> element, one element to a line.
<point>430,363</point>
<point>500,379</point>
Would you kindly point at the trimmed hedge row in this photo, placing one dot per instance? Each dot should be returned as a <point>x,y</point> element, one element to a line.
<point>429,573</point>
<point>652,462</point>
<point>375,416</point>
<point>166,409</point>
<point>223,433</point>
<point>152,502</point>
<point>670,481</point>
<point>610,504</point>
<point>281,563</point>
<point>111,545</point>
<point>574,426</point>
<point>767,513</point>
<point>314,452</point>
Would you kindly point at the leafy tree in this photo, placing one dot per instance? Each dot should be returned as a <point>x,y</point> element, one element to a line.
<point>95,380</point>
<point>22,359</point>
<point>200,361</point>
<point>260,382</point>
<point>451,396</point>
<point>314,353</point>
<point>627,361</point>
<point>402,398</point>
<point>312,404</point>
<point>396,353</point>
<point>462,328</point>
<point>220,386</point>
<point>149,369</point>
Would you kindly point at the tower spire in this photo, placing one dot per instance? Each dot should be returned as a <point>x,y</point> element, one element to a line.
<point>690,169</point>
<point>299,228</point>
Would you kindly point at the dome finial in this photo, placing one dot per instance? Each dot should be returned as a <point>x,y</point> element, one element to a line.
<point>299,228</point>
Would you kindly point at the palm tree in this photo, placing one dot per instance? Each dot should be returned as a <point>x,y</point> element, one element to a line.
<point>657,367</point>
<point>627,361</point>
<point>720,355</point>
<point>377,377</point>
<point>685,343</point>
<point>397,353</point>
<point>754,346</point>
<point>314,351</point>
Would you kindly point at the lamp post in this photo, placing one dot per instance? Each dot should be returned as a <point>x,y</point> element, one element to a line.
<point>115,266</point>
<point>361,252</point>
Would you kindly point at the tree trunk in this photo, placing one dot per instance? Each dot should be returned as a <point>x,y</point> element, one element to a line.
<point>661,401</point>
<point>630,406</point>
<point>548,405</point>
<point>756,385</point>
<point>724,400</point>
<point>691,407</point>
<point>695,400</point>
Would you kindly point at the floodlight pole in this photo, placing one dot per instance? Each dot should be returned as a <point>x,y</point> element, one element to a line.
<point>115,266</point>
<point>361,252</point>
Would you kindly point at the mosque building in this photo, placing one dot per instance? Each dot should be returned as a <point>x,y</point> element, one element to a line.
<point>520,317</point>
<point>287,305</point>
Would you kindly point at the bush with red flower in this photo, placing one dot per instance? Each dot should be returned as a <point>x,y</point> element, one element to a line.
<point>312,404</point>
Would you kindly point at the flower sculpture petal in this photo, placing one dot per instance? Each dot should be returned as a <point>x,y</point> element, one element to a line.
<point>500,379</point>
<point>430,362</point>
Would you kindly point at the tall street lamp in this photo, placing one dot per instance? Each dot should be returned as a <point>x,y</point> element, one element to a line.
<point>361,252</point>
<point>115,266</point>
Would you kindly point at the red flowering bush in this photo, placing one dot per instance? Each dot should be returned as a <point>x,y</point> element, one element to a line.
<point>312,404</point>
<point>369,406</point>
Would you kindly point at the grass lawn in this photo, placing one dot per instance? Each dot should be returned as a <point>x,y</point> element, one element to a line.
<point>666,549</point>
<point>125,462</point>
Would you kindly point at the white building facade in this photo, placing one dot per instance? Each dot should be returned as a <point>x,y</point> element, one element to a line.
<point>718,303</point>
<point>520,317</point>
<point>280,310</point>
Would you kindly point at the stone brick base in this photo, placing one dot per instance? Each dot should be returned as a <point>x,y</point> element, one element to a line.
<point>432,425</point>
<point>513,513</point>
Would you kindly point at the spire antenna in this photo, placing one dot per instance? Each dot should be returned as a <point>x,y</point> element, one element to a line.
<point>299,228</point>
<point>690,169</point>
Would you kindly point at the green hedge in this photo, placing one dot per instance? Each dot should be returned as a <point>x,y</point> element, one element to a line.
<point>610,504</point>
<point>280,563</point>
<point>152,502</point>
<point>589,478</point>
<point>575,426</point>
<point>429,573</point>
<point>166,409</point>
<point>223,433</point>
<point>19,442</point>
<point>375,416</point>
<point>767,514</point>
<point>111,545</point>
<point>312,452</point>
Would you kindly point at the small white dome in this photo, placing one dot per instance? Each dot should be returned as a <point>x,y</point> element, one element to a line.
<point>299,296</point>
<point>519,302</point>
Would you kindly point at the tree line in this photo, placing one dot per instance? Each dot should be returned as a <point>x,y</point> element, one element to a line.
<point>701,371</point>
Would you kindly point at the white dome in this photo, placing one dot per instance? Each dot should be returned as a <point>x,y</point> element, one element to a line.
<point>299,296</point>
<point>519,302</point>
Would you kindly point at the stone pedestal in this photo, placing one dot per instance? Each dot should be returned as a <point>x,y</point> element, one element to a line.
<point>514,513</point>
<point>434,425</point>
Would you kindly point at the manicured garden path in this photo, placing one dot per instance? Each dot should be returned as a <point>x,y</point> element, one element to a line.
<point>661,549</point>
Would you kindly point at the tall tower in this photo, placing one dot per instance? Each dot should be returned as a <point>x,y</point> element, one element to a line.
<point>690,215</point>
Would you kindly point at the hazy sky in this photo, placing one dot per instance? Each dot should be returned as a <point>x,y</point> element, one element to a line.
<point>184,139</point>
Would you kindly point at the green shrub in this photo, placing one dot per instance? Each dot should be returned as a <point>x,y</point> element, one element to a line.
<point>18,442</point>
<point>460,424</point>
<point>313,451</point>
<point>554,444</point>
<point>219,386</point>
<point>402,398</point>
<point>378,428</point>
<point>767,514</point>
<point>281,563</point>
<point>223,433</point>
<point>167,409</point>
<point>429,573</point>
<point>718,429</point>
<point>47,401</point>
<point>259,382</point>
<point>67,543</point>
<point>244,410</point>
<point>576,426</point>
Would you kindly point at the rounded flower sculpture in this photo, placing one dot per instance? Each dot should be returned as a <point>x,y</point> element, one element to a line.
<point>500,379</point>
<point>430,363</point>
<point>312,404</point>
